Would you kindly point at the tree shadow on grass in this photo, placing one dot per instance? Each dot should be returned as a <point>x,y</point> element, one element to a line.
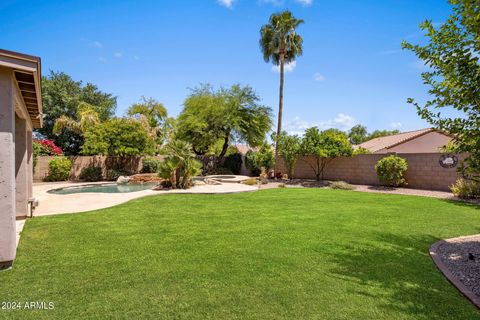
<point>398,273</point>
<point>474,204</point>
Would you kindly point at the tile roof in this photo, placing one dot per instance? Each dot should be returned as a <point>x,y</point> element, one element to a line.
<point>386,142</point>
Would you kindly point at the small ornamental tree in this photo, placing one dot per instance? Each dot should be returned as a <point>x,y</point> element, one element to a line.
<point>391,170</point>
<point>320,147</point>
<point>290,150</point>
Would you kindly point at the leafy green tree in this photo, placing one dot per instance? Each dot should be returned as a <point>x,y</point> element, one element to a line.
<point>229,115</point>
<point>358,134</point>
<point>382,133</point>
<point>320,147</point>
<point>62,96</point>
<point>452,56</point>
<point>290,150</point>
<point>118,137</point>
<point>361,150</point>
<point>281,44</point>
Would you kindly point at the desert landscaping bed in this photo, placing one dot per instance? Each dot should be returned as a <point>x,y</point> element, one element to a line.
<point>459,260</point>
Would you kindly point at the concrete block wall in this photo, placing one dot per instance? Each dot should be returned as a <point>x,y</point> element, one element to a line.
<point>424,170</point>
<point>130,164</point>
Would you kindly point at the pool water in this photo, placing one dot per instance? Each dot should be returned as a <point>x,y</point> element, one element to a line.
<point>104,188</point>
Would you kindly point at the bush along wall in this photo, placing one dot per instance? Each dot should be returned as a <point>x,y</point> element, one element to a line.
<point>391,171</point>
<point>59,169</point>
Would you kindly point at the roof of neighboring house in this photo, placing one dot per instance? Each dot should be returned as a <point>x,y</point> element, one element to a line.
<point>28,75</point>
<point>387,142</point>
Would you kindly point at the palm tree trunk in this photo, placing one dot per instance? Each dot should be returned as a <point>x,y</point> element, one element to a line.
<point>280,111</point>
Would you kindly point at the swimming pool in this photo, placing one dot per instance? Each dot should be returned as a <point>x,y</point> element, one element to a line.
<point>103,188</point>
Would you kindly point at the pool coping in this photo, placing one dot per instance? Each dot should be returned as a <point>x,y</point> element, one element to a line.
<point>92,184</point>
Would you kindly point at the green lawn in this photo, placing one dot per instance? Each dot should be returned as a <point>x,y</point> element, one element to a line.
<point>273,254</point>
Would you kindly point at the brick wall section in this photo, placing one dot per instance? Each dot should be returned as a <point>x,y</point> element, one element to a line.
<point>424,170</point>
<point>132,164</point>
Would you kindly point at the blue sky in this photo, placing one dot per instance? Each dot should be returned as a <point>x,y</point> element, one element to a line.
<point>352,71</point>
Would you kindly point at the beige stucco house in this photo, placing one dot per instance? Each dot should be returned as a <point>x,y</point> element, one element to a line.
<point>20,113</point>
<point>418,141</point>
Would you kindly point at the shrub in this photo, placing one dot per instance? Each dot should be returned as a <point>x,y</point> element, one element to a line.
<point>92,173</point>
<point>390,170</point>
<point>150,165</point>
<point>114,174</point>
<point>59,169</point>
<point>255,160</point>
<point>466,189</point>
<point>282,185</point>
<point>250,182</point>
<point>341,185</point>
<point>233,162</point>
<point>44,148</point>
<point>361,150</point>
<point>263,175</point>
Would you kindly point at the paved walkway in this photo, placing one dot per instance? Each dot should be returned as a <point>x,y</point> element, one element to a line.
<point>51,204</point>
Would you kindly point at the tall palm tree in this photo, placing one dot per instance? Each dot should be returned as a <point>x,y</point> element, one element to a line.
<point>280,44</point>
<point>153,117</point>
<point>154,111</point>
<point>87,117</point>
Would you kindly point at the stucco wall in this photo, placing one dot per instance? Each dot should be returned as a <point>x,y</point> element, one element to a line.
<point>132,165</point>
<point>424,170</point>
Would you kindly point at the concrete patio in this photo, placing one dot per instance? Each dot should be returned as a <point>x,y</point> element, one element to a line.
<point>80,202</point>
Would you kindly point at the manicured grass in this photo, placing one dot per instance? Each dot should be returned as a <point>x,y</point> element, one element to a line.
<point>273,254</point>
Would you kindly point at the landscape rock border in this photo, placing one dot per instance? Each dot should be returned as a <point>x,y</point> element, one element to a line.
<point>436,257</point>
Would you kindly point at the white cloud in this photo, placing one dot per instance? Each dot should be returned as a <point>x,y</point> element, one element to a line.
<point>396,125</point>
<point>341,121</point>
<point>276,3</point>
<point>118,54</point>
<point>136,58</point>
<point>305,3</point>
<point>288,67</point>
<point>102,59</point>
<point>318,77</point>
<point>96,44</point>
<point>226,3</point>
